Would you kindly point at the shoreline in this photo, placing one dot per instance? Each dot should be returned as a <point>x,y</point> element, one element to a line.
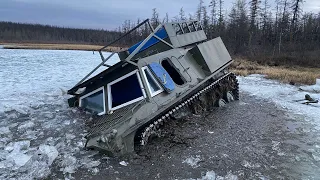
<point>293,75</point>
<point>44,46</point>
<point>242,67</point>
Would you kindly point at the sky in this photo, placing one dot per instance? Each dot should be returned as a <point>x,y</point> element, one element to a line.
<point>102,14</point>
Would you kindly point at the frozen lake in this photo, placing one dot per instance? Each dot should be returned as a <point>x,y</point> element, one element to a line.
<point>36,126</point>
<point>33,77</point>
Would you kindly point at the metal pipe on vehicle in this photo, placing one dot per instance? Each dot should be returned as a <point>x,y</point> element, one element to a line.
<point>95,69</point>
<point>147,20</point>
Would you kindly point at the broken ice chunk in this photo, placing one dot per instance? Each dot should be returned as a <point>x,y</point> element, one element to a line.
<point>123,163</point>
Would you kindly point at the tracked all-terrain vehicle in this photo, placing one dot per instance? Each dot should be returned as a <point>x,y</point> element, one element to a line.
<point>176,68</point>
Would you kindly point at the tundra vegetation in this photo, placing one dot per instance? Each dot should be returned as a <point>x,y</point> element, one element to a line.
<point>277,36</point>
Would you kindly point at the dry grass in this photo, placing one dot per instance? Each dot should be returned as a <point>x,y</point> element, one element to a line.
<point>83,47</point>
<point>293,75</point>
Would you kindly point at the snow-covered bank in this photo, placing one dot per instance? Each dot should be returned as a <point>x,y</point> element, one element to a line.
<point>284,95</point>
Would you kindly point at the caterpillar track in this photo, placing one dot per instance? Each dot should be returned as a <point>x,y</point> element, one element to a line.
<point>218,93</point>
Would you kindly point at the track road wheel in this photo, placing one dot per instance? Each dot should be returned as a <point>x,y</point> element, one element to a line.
<point>228,97</point>
<point>221,102</point>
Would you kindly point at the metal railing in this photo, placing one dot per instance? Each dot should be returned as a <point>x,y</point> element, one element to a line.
<point>131,55</point>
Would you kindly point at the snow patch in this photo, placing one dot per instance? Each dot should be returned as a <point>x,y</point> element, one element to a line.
<point>19,158</point>
<point>22,109</point>
<point>89,163</point>
<point>250,165</point>
<point>313,88</point>
<point>70,136</point>
<point>92,164</point>
<point>123,163</point>
<point>4,130</point>
<point>275,147</point>
<point>211,175</point>
<point>316,157</point>
<point>192,161</point>
<point>95,170</point>
<point>229,176</point>
<point>50,151</point>
<point>18,146</point>
<point>68,164</point>
<point>26,125</point>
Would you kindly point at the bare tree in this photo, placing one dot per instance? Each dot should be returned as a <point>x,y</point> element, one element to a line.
<point>182,14</point>
<point>166,18</point>
<point>213,12</point>
<point>296,13</point>
<point>254,7</point>
<point>199,10</point>
<point>284,22</point>
<point>266,20</point>
<point>155,18</point>
<point>191,17</point>
<point>221,18</point>
<point>205,20</point>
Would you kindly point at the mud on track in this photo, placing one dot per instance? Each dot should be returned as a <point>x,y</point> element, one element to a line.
<point>247,139</point>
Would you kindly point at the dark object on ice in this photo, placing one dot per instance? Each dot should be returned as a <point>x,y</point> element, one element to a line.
<point>309,99</point>
<point>292,83</point>
<point>174,69</point>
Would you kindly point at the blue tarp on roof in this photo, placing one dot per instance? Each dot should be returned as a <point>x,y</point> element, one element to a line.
<point>162,33</point>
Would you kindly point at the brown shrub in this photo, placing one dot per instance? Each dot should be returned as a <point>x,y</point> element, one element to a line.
<point>292,75</point>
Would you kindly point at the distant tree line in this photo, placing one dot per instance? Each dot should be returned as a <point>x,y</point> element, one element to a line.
<point>35,33</point>
<point>282,34</point>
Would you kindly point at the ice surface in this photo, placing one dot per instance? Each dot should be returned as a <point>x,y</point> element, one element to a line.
<point>4,130</point>
<point>26,125</point>
<point>250,165</point>
<point>18,158</point>
<point>211,175</point>
<point>229,176</point>
<point>33,77</point>
<point>37,129</point>
<point>284,95</point>
<point>19,146</point>
<point>69,164</point>
<point>17,155</point>
<point>92,164</point>
<point>50,151</point>
<point>192,161</point>
<point>123,163</point>
<point>316,157</point>
<point>313,88</point>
